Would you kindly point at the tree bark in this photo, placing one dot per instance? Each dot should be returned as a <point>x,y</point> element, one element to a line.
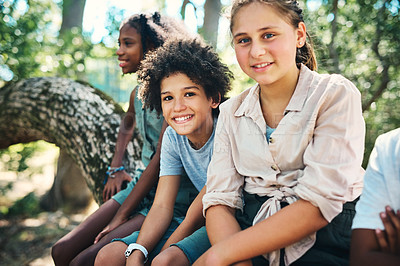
<point>212,10</point>
<point>72,14</point>
<point>76,117</point>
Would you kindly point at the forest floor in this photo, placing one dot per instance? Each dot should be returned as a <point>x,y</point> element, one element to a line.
<point>27,240</point>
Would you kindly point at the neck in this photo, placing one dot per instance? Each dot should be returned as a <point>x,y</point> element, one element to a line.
<point>275,97</point>
<point>200,137</point>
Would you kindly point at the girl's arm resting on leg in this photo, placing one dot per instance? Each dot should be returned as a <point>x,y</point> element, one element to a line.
<point>194,220</point>
<point>146,182</point>
<point>284,228</point>
<point>159,217</point>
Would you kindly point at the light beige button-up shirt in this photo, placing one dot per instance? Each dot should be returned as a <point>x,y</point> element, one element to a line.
<point>315,152</point>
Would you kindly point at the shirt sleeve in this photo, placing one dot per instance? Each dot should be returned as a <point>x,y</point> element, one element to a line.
<point>373,199</point>
<point>334,155</point>
<point>224,183</point>
<point>170,161</point>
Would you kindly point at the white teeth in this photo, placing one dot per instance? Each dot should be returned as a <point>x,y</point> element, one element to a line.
<point>183,118</point>
<point>262,65</point>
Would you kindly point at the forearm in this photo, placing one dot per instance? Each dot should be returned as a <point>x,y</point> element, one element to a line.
<point>145,183</point>
<point>221,223</point>
<point>291,229</point>
<point>194,220</point>
<point>365,250</point>
<point>125,134</point>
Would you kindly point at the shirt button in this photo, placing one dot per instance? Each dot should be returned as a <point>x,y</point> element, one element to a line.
<point>271,140</point>
<point>274,167</point>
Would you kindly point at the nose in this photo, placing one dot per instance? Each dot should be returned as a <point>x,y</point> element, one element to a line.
<point>179,105</point>
<point>120,51</point>
<point>257,49</point>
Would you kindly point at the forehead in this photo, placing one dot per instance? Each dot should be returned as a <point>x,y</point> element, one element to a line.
<point>127,31</point>
<point>178,81</point>
<point>256,16</point>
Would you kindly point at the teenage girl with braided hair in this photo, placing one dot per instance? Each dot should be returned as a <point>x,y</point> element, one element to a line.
<point>124,210</point>
<point>286,167</point>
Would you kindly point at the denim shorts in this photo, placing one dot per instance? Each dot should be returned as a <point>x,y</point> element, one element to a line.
<point>133,237</point>
<point>194,245</point>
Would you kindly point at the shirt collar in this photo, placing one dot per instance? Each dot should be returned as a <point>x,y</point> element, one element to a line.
<point>250,106</point>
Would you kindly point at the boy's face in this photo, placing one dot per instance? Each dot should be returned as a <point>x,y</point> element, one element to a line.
<point>186,107</point>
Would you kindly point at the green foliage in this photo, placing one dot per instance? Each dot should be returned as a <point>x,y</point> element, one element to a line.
<point>27,206</point>
<point>367,44</point>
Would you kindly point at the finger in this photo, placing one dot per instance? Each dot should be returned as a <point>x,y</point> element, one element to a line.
<point>390,231</point>
<point>394,219</point>
<point>381,238</point>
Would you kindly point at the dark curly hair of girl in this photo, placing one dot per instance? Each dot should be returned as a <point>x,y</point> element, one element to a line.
<point>190,57</point>
<point>155,29</point>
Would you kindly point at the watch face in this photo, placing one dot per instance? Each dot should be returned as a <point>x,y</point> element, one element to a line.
<point>127,253</point>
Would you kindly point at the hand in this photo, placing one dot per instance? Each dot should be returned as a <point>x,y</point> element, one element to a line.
<point>113,185</point>
<point>115,222</point>
<point>389,240</point>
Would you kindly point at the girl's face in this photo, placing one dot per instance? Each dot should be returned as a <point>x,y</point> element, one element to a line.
<point>186,107</point>
<point>130,51</point>
<point>265,44</point>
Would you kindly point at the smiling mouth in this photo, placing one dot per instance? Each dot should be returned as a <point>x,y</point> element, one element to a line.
<point>182,118</point>
<point>261,65</point>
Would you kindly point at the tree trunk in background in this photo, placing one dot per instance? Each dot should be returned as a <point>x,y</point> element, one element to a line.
<point>72,14</point>
<point>78,118</point>
<point>212,10</point>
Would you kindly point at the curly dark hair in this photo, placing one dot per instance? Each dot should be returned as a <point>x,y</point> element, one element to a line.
<point>155,29</point>
<point>191,57</point>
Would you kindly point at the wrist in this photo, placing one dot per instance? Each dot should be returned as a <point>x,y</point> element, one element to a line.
<point>137,251</point>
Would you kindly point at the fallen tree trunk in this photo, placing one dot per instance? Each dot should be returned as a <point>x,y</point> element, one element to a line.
<point>78,118</point>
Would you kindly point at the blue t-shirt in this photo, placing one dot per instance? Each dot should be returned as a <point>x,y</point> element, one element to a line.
<point>178,157</point>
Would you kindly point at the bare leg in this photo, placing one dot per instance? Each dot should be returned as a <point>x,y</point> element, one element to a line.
<point>87,257</point>
<point>112,254</point>
<point>170,257</point>
<point>84,234</point>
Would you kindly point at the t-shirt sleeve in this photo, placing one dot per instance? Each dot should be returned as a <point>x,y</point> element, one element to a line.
<point>170,160</point>
<point>374,197</point>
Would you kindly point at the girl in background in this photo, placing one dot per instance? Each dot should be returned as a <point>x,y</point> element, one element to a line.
<point>124,212</point>
<point>286,167</point>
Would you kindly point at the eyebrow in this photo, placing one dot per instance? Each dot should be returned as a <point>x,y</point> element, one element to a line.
<point>262,29</point>
<point>185,88</point>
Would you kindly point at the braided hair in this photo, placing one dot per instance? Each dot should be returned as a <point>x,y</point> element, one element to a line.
<point>293,14</point>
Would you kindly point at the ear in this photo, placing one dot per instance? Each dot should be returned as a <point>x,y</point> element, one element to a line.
<point>214,103</point>
<point>301,33</point>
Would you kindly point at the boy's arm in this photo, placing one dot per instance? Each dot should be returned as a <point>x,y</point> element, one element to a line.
<point>145,183</point>
<point>159,216</point>
<point>376,247</point>
<point>125,133</point>
<point>194,220</point>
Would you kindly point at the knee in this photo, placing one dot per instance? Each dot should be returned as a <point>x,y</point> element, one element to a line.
<point>170,257</point>
<point>162,259</point>
<point>103,257</point>
<point>58,253</point>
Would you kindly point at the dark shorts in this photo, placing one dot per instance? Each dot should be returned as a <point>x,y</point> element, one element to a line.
<point>194,245</point>
<point>332,245</point>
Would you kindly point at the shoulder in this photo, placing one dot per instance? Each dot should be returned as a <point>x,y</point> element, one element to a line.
<point>233,103</point>
<point>389,141</point>
<point>335,83</point>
